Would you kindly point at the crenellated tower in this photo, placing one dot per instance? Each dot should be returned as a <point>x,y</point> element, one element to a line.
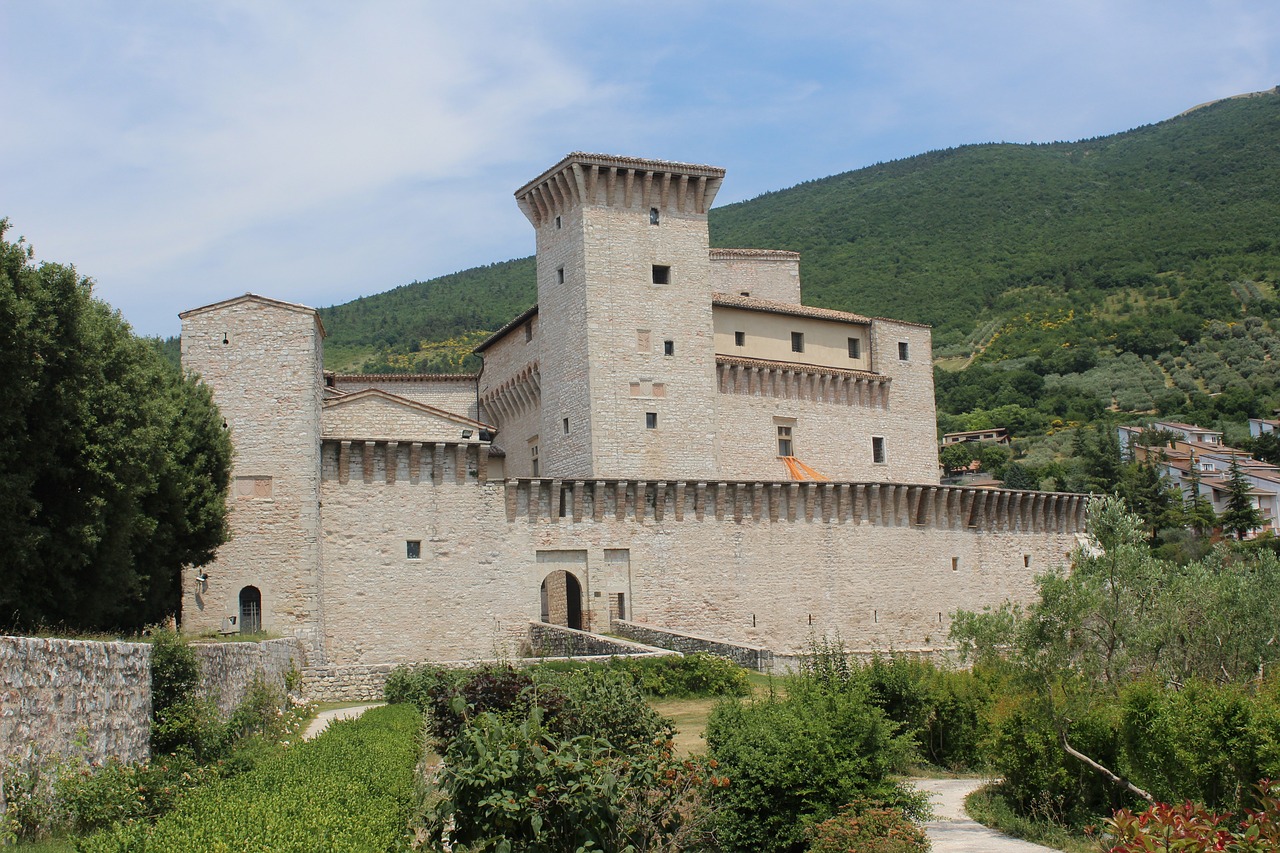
<point>626,349</point>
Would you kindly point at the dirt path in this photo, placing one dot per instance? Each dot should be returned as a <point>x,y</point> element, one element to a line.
<point>322,720</point>
<point>953,831</point>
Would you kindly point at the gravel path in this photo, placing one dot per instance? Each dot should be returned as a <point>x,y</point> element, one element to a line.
<point>322,720</point>
<point>953,831</point>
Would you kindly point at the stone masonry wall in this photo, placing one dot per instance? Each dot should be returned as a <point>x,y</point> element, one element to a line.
<point>92,700</point>
<point>752,657</point>
<point>757,564</point>
<point>767,275</point>
<point>228,669</point>
<point>70,697</point>
<point>557,641</point>
<point>453,394</point>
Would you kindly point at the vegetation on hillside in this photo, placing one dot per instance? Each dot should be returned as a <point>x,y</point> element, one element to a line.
<point>115,465</point>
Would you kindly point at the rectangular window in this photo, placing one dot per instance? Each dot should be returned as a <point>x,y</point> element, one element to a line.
<point>797,341</point>
<point>784,441</point>
<point>650,420</point>
<point>739,339</point>
<point>413,549</point>
<point>560,276</point>
<point>661,274</point>
<point>902,350</point>
<point>528,331</point>
<point>566,426</point>
<point>877,450</point>
<point>533,459</point>
<point>668,347</point>
<point>558,223</point>
<point>955,564</point>
<point>855,348</point>
<point>1026,561</point>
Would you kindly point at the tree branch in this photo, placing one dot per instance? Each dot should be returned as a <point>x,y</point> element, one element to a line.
<point>1111,777</point>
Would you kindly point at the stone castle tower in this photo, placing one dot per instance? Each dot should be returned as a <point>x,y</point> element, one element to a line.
<point>626,345</point>
<point>262,358</point>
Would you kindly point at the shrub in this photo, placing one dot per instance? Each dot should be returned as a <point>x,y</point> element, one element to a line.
<point>514,785</point>
<point>600,703</point>
<point>795,761</point>
<point>179,720</point>
<point>697,674</point>
<point>1193,828</point>
<point>868,827</point>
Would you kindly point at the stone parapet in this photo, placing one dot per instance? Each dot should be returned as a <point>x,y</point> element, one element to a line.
<point>752,657</point>
<point>228,670</point>
<point>557,641</point>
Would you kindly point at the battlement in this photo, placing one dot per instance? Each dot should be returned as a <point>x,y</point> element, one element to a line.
<point>582,179</point>
<point>553,500</point>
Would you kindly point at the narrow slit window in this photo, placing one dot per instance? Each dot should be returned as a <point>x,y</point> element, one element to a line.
<point>855,348</point>
<point>533,459</point>
<point>560,275</point>
<point>661,274</point>
<point>558,223</point>
<point>955,564</point>
<point>566,426</point>
<point>797,341</point>
<point>528,331</point>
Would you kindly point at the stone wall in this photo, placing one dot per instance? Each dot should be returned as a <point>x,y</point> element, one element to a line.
<point>71,697</point>
<point>762,273</point>
<point>93,699</point>
<point>448,392</point>
<point>752,657</point>
<point>763,564</point>
<point>228,669</point>
<point>556,641</point>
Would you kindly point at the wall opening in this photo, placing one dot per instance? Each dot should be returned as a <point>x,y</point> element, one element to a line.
<point>250,610</point>
<point>562,600</point>
<point>653,216</point>
<point>661,274</point>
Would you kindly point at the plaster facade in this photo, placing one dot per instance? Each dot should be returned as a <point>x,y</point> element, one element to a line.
<point>619,457</point>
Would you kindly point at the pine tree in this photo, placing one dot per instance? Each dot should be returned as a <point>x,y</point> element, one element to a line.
<point>1241,516</point>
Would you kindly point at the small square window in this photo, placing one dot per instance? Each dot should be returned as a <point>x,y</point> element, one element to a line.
<point>877,450</point>
<point>650,420</point>
<point>413,549</point>
<point>558,223</point>
<point>739,339</point>
<point>855,348</point>
<point>668,347</point>
<point>903,351</point>
<point>653,216</point>
<point>797,341</point>
<point>661,274</point>
<point>565,423</point>
<point>560,276</point>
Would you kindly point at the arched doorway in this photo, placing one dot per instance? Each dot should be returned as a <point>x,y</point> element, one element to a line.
<point>562,599</point>
<point>250,610</point>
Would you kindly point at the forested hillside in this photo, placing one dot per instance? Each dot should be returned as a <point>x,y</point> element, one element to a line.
<point>1133,272</point>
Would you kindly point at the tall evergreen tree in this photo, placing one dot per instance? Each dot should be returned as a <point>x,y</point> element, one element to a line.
<point>113,466</point>
<point>1241,515</point>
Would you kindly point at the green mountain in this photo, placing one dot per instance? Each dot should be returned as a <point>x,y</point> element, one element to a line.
<point>1134,272</point>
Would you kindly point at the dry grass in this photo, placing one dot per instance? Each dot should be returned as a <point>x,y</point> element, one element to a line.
<point>690,717</point>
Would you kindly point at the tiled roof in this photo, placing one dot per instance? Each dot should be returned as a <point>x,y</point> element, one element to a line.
<point>505,330</point>
<point>769,254</point>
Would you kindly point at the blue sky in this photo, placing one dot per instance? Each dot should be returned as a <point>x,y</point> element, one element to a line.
<point>182,153</point>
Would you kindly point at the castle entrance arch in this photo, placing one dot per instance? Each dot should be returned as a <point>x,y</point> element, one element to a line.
<point>561,591</point>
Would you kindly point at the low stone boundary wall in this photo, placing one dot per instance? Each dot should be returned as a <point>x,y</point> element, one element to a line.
<point>548,640</point>
<point>229,669</point>
<point>93,699</point>
<point>68,697</point>
<point>752,657</point>
<point>353,683</point>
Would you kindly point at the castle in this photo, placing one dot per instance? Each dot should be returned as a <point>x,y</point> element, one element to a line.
<point>668,437</point>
